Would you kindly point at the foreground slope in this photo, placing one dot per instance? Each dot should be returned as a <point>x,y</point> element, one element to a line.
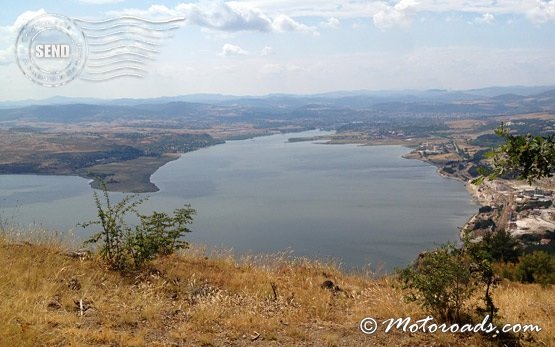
<point>51,297</point>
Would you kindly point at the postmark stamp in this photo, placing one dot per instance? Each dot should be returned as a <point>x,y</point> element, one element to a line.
<point>52,50</point>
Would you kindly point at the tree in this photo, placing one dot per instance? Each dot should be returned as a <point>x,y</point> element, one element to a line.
<point>528,157</point>
<point>482,258</point>
<point>501,246</point>
<point>123,246</point>
<point>441,280</point>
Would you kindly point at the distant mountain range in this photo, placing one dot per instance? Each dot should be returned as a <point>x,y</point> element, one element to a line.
<point>487,101</point>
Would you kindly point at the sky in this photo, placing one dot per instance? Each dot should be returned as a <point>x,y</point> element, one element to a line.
<point>258,47</point>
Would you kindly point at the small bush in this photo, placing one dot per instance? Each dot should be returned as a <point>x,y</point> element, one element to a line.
<point>441,281</point>
<point>159,234</point>
<point>123,246</point>
<point>536,267</point>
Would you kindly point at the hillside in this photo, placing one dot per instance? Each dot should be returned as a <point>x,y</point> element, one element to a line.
<point>213,108</point>
<point>196,298</point>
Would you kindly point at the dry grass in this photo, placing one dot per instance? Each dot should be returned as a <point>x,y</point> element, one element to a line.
<point>200,299</point>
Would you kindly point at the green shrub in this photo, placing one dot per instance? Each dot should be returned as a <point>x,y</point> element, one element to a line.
<point>441,281</point>
<point>123,246</point>
<point>536,267</point>
<point>159,234</point>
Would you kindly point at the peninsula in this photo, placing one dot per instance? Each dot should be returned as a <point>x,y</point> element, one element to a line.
<point>123,142</point>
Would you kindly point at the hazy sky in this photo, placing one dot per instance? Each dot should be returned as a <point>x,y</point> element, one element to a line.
<point>308,46</point>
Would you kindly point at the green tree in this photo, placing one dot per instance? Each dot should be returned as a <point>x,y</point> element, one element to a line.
<point>501,246</point>
<point>444,279</point>
<point>441,281</point>
<point>482,268</point>
<point>527,156</point>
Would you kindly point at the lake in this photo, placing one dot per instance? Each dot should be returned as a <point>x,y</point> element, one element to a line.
<point>357,204</point>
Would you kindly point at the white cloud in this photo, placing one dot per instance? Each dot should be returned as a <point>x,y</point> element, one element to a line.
<point>398,15</point>
<point>153,12</point>
<point>283,15</point>
<point>285,23</point>
<point>266,51</point>
<point>8,35</point>
<point>332,23</point>
<point>543,11</point>
<point>314,8</point>
<point>388,13</point>
<point>224,16</point>
<point>229,49</point>
<point>262,13</point>
<point>486,18</point>
<point>20,21</point>
<point>100,2</point>
<point>221,16</point>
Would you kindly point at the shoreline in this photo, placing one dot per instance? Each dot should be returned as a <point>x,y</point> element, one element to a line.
<point>399,153</point>
<point>470,188</point>
<point>118,175</point>
<point>474,197</point>
<point>131,176</point>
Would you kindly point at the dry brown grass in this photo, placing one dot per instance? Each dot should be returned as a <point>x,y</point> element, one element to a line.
<point>210,299</point>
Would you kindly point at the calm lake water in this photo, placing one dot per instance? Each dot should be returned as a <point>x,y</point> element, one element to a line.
<point>360,204</point>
